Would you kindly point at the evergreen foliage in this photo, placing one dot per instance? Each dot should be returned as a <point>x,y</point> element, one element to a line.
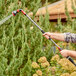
<point>19,44</point>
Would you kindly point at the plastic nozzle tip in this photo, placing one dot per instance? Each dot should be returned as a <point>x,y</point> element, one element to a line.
<point>14,13</point>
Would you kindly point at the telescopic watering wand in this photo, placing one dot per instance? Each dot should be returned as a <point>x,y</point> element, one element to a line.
<point>60,49</point>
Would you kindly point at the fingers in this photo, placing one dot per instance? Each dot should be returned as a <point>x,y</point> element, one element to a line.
<point>61,53</point>
<point>46,35</point>
<point>64,53</point>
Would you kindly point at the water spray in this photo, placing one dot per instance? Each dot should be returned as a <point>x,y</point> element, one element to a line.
<point>5,19</point>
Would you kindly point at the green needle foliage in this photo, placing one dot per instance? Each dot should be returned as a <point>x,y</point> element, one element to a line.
<point>19,44</point>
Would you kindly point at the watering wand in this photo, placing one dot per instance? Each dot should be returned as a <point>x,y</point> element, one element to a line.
<point>60,49</point>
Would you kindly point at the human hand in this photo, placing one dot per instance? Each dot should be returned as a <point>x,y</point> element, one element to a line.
<point>64,53</point>
<point>47,35</point>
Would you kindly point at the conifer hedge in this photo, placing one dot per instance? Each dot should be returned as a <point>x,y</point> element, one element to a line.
<point>21,43</point>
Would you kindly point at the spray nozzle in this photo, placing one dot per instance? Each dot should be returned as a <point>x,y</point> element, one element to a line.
<point>15,12</point>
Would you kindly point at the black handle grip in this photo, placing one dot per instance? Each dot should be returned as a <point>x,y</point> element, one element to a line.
<point>42,31</point>
<point>70,59</point>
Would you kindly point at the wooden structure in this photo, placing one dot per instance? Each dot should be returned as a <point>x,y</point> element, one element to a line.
<point>57,10</point>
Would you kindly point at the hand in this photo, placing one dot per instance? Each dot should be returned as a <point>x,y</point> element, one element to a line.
<point>64,53</point>
<point>47,35</point>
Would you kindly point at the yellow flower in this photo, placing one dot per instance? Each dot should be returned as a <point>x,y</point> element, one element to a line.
<point>65,74</point>
<point>35,65</point>
<point>56,57</point>
<point>39,72</point>
<point>35,75</point>
<point>42,59</point>
<point>53,70</point>
<point>67,65</point>
<point>45,64</point>
<point>73,74</point>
